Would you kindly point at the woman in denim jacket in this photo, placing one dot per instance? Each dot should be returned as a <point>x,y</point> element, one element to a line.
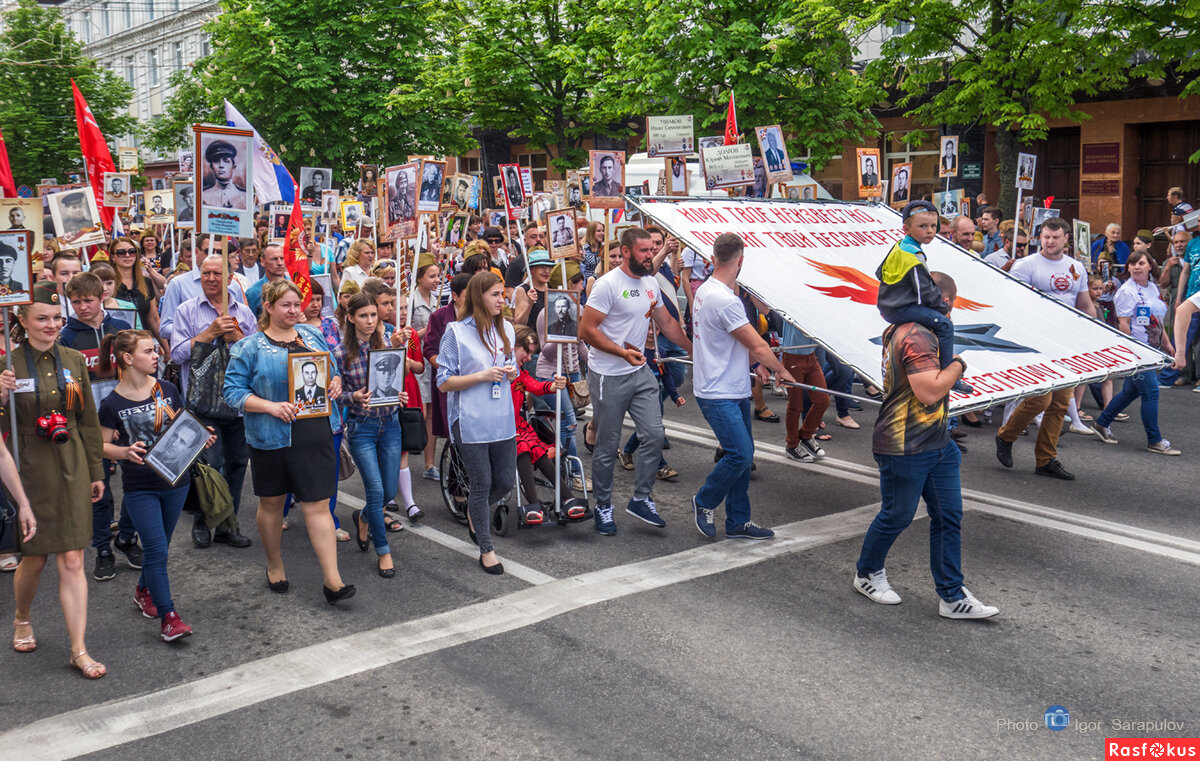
<point>287,455</point>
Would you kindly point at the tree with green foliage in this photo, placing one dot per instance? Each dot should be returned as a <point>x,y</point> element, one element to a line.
<point>530,68</point>
<point>1016,64</point>
<point>788,63</point>
<point>39,57</point>
<point>317,80</point>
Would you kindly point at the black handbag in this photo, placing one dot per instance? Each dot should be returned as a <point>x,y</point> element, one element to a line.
<point>9,527</point>
<point>412,430</point>
<point>206,386</point>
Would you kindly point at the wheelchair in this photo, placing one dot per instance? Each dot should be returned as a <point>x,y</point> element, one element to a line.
<point>455,486</point>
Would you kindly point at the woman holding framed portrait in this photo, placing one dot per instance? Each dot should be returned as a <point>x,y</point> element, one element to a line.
<point>132,420</point>
<point>372,430</point>
<point>283,379</point>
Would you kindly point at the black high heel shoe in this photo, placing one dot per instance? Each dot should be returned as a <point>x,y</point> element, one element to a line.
<point>276,586</point>
<point>345,593</point>
<point>387,573</point>
<point>494,570</point>
<point>356,516</point>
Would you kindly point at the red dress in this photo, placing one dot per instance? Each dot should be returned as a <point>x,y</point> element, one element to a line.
<point>411,386</point>
<point>527,438</point>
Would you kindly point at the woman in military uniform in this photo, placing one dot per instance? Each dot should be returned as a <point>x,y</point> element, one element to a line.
<point>62,478</point>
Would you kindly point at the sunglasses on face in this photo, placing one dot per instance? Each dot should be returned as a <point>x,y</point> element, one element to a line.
<point>125,251</point>
<point>494,240</point>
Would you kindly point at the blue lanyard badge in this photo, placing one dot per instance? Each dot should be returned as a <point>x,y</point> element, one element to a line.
<point>1141,316</point>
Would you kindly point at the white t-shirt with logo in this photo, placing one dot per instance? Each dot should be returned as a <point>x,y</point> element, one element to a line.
<point>1063,279</point>
<point>627,304</point>
<point>722,363</point>
<point>1139,304</point>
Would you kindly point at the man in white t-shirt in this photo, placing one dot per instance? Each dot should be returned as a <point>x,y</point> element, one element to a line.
<point>724,345</point>
<point>614,324</point>
<point>1057,275</point>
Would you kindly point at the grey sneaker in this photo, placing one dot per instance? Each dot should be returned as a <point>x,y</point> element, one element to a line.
<point>1102,433</point>
<point>1163,447</point>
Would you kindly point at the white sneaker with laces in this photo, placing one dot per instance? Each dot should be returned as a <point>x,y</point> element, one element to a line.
<point>967,608</point>
<point>876,586</point>
<point>1163,447</point>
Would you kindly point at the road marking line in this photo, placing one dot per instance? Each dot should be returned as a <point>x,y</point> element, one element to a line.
<point>99,727</point>
<point>461,546</point>
<point>1121,534</point>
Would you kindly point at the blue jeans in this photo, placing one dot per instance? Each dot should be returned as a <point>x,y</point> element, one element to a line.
<point>930,318</point>
<point>154,515</point>
<point>667,350</point>
<point>729,481</point>
<point>838,377</point>
<point>375,446</point>
<point>1145,385</point>
<point>903,481</point>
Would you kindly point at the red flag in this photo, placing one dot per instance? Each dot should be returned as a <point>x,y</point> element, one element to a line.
<point>1049,200</point>
<point>96,157</point>
<point>6,178</point>
<point>296,252</point>
<point>731,129</point>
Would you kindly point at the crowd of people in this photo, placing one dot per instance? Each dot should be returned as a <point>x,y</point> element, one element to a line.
<point>118,343</point>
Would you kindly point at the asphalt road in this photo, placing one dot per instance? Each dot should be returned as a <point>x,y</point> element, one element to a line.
<point>659,644</point>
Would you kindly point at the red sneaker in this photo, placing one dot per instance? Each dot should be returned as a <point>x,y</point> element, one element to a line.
<point>141,597</point>
<point>173,628</point>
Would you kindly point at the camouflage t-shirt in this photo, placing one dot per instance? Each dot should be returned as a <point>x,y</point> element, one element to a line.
<point>905,426</point>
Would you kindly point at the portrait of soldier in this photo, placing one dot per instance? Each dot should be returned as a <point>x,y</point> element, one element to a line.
<point>221,190</point>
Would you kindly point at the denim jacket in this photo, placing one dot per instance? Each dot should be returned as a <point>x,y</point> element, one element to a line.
<point>256,366</point>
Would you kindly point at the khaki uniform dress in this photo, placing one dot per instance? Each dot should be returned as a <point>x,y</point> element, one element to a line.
<point>57,477</point>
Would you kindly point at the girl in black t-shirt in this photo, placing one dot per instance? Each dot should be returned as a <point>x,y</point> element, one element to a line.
<point>132,418</point>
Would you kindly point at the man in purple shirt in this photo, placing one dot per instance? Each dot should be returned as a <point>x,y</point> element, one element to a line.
<point>200,320</point>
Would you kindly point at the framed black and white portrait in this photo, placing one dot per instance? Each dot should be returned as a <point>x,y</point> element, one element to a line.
<point>185,203</point>
<point>948,158</point>
<point>224,179</point>
<point>564,240</point>
<point>385,376</point>
<point>76,218</point>
<point>178,447</point>
<point>308,383</point>
<point>16,267</point>
<point>562,316</point>
<point>607,172</point>
<point>400,190</point>
<point>433,177</point>
<point>312,181</point>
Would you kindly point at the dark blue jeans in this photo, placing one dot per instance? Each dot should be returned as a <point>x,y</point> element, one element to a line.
<point>729,481</point>
<point>903,481</point>
<point>375,446</point>
<point>838,377</point>
<point>930,318</point>
<point>155,514</point>
<point>102,515</point>
<point>1145,385</point>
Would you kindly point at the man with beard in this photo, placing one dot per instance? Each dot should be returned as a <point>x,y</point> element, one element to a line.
<point>615,324</point>
<point>222,192</point>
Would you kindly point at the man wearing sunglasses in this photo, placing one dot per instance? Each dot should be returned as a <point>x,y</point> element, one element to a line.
<point>1000,258</point>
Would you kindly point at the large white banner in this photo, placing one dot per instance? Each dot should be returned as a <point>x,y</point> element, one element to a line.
<point>815,263</point>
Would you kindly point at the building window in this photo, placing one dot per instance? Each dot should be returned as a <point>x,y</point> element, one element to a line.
<point>87,26</point>
<point>128,15</point>
<point>537,163</point>
<point>203,47</point>
<point>470,166</point>
<point>178,56</point>
<point>152,61</point>
<point>129,75</point>
<point>105,20</point>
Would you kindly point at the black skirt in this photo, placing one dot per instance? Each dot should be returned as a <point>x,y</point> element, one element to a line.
<point>307,469</point>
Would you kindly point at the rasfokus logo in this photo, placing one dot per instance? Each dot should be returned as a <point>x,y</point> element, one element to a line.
<point>1151,747</point>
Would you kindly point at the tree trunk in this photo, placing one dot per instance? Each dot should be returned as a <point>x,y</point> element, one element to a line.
<point>1006,152</point>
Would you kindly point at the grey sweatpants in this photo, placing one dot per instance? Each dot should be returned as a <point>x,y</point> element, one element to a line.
<point>491,473</point>
<point>613,396</point>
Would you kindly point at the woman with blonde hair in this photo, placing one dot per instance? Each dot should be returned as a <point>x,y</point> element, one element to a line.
<point>593,249</point>
<point>359,259</point>
<point>385,270</point>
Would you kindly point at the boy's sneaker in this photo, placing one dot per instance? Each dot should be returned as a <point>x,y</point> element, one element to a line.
<point>579,480</point>
<point>1163,447</point>
<point>1102,433</point>
<point>604,520</point>
<point>704,520</point>
<point>174,628</point>
<point>141,597</point>
<point>876,586</point>
<point>962,387</point>
<point>967,607</point>
<point>432,473</point>
<point>800,453</point>
<point>666,473</point>
<point>644,509</point>
<point>749,530</point>
<point>813,447</point>
<point>131,551</point>
<point>626,460</point>
<point>106,565</point>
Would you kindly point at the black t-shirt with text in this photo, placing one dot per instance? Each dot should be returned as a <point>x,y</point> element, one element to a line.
<point>135,421</point>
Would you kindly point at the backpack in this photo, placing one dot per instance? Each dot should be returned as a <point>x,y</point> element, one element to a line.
<point>209,496</point>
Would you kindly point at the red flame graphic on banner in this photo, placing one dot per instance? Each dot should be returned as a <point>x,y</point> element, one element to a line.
<point>864,289</point>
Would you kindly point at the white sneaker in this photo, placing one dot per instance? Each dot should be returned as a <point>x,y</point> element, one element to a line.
<point>1082,430</point>
<point>967,607</point>
<point>876,586</point>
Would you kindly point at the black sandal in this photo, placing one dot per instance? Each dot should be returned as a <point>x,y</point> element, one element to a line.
<point>393,525</point>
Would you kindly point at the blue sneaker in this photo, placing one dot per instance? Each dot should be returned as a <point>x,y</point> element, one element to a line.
<point>644,509</point>
<point>604,520</point>
<point>749,530</point>
<point>704,520</point>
